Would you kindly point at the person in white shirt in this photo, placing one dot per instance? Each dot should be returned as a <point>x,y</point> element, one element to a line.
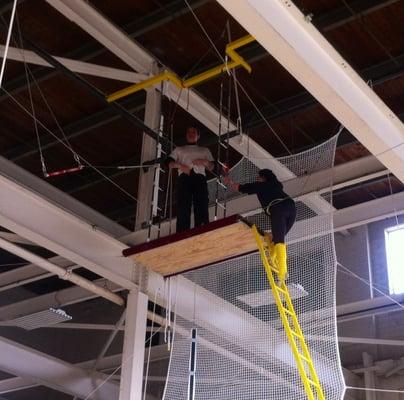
<point>192,162</point>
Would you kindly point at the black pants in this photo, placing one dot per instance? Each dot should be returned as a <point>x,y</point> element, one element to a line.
<point>283,216</point>
<point>192,190</point>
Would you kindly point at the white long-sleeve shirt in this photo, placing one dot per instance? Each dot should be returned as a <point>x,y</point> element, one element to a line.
<point>190,152</point>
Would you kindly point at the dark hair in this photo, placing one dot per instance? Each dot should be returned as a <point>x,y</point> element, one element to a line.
<point>198,131</point>
<point>267,174</point>
<point>269,177</point>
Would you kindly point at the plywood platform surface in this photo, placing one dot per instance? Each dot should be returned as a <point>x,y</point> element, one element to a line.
<point>211,243</point>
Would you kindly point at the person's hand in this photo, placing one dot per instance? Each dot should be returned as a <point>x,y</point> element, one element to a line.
<point>200,162</point>
<point>184,168</point>
<point>227,180</point>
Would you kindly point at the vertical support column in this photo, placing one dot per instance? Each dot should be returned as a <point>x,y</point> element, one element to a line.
<point>369,375</point>
<point>134,346</point>
<point>145,188</point>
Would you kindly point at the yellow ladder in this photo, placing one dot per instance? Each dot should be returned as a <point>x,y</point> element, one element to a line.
<point>290,322</point>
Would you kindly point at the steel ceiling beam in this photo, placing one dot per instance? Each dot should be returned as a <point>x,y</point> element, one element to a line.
<point>157,353</point>
<point>32,216</point>
<point>42,188</point>
<point>134,29</point>
<point>59,375</point>
<point>378,74</point>
<point>281,109</point>
<point>89,19</point>
<point>283,30</point>
<point>80,67</point>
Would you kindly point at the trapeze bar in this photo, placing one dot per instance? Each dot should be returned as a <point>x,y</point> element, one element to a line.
<point>64,171</point>
<point>217,241</point>
<point>235,61</point>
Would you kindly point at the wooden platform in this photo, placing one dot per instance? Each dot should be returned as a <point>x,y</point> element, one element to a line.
<point>217,241</point>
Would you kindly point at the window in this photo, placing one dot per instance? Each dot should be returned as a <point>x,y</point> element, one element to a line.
<point>395,258</point>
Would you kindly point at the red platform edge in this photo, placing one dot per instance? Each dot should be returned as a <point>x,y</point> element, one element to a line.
<point>176,237</point>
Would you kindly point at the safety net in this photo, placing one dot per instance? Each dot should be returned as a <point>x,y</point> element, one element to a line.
<point>229,342</point>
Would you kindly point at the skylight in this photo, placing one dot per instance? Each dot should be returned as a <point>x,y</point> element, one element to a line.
<point>394,251</point>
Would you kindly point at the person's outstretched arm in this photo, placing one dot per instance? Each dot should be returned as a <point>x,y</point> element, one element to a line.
<point>247,188</point>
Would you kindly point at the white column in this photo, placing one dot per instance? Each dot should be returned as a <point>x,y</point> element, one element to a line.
<point>145,188</point>
<point>134,346</point>
<point>369,375</point>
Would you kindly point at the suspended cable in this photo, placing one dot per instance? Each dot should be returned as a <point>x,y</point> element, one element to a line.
<point>374,389</point>
<point>149,349</point>
<point>369,31</point>
<point>64,144</point>
<point>28,73</point>
<point>391,193</point>
<point>118,368</point>
<point>235,78</point>
<point>370,285</point>
<point>199,61</point>
<point>10,29</point>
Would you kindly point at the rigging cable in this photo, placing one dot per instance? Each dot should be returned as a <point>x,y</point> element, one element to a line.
<point>87,163</point>
<point>238,82</point>
<point>7,46</point>
<point>28,73</point>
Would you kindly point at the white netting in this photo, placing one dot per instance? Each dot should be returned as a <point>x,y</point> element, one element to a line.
<point>241,348</point>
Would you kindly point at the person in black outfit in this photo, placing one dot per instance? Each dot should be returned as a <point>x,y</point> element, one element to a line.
<point>278,206</point>
<point>191,161</point>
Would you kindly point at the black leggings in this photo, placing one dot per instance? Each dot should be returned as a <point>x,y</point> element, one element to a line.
<point>192,190</point>
<point>283,216</point>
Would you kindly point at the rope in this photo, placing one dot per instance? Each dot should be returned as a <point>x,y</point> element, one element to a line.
<point>374,389</point>
<point>173,338</point>
<point>203,56</point>
<point>391,193</point>
<point>64,144</point>
<point>370,285</point>
<point>369,31</point>
<point>27,73</point>
<point>89,395</point>
<point>219,144</point>
<point>38,138</point>
<point>149,347</point>
<point>10,29</point>
<point>235,78</point>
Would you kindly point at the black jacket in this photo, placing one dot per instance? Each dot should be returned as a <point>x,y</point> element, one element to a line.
<point>265,191</point>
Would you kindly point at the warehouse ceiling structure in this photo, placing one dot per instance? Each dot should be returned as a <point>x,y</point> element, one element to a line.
<point>74,194</point>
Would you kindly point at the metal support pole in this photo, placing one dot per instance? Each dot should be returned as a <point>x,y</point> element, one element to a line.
<point>62,273</point>
<point>369,375</point>
<point>134,346</point>
<point>145,188</point>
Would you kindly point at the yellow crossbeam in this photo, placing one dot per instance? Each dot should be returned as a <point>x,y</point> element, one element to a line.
<point>164,76</point>
<point>235,61</point>
<point>307,371</point>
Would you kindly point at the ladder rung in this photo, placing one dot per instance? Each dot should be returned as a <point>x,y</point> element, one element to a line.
<point>274,269</point>
<point>294,333</point>
<point>279,289</point>
<point>305,359</point>
<point>288,311</point>
<point>312,382</point>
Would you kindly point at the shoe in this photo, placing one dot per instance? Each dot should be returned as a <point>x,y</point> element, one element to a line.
<point>270,247</point>
<point>281,260</point>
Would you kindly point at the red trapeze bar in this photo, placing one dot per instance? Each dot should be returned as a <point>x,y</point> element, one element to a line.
<point>64,171</point>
